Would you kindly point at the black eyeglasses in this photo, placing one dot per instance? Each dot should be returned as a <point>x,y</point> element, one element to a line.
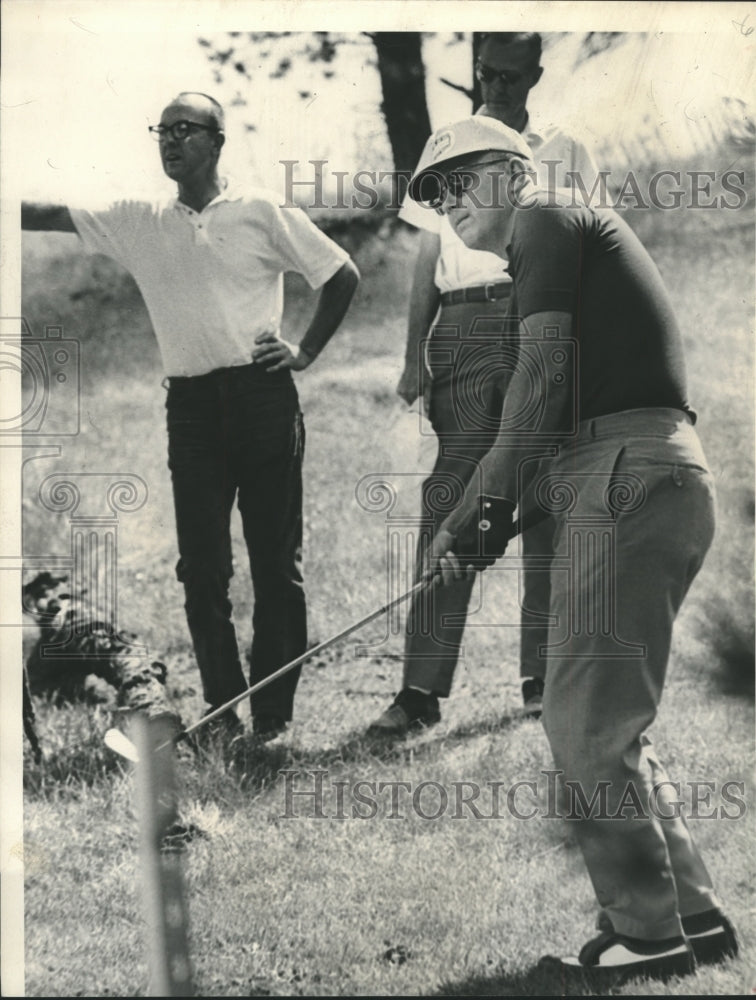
<point>457,183</point>
<point>487,74</point>
<point>178,130</point>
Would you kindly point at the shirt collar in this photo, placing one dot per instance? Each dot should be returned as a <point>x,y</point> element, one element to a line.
<point>229,192</point>
<point>535,130</point>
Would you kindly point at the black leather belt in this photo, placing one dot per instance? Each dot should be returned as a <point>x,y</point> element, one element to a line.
<point>479,293</point>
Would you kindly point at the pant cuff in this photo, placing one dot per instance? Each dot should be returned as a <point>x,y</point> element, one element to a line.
<point>629,926</point>
<point>428,676</point>
<point>699,903</point>
<point>529,670</point>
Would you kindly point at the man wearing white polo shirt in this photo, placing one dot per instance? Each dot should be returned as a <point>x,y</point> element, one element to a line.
<point>210,267</point>
<point>454,360</point>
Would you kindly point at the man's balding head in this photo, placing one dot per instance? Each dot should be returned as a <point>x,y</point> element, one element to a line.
<point>191,157</point>
<point>202,108</point>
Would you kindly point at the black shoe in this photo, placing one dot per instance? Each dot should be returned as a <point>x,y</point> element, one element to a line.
<point>267,726</point>
<point>711,936</point>
<point>532,696</point>
<point>411,709</point>
<point>611,958</point>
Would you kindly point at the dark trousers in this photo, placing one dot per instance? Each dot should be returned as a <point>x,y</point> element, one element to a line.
<point>471,370</point>
<point>237,433</point>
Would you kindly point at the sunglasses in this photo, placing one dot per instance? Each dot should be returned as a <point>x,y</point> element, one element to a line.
<point>456,183</point>
<point>487,74</point>
<point>178,130</point>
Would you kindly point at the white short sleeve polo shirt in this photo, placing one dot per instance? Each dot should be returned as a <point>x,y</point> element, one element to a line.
<point>211,280</point>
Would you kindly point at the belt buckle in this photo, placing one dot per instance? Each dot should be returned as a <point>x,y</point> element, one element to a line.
<point>489,285</point>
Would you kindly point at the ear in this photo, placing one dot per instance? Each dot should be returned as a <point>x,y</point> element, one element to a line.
<point>537,74</point>
<point>517,166</point>
<point>220,139</point>
<point>520,172</point>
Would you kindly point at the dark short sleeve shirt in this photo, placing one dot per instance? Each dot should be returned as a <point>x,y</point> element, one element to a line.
<point>589,263</point>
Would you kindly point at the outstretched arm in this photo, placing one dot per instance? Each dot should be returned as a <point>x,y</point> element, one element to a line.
<point>46,217</point>
<point>335,296</point>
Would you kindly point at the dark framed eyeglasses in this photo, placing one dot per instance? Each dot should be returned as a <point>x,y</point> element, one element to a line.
<point>487,74</point>
<point>178,130</point>
<point>457,183</point>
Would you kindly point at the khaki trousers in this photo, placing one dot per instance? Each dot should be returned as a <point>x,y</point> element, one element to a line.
<point>633,506</point>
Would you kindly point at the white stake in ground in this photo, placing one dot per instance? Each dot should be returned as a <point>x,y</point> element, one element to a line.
<point>161,873</point>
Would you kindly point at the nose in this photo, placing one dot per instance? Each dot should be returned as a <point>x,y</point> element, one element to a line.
<point>451,200</point>
<point>167,142</point>
<point>498,86</point>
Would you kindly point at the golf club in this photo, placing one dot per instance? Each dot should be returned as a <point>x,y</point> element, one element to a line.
<point>119,743</point>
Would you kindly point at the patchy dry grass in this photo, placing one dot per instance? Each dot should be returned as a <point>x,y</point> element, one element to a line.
<point>395,904</point>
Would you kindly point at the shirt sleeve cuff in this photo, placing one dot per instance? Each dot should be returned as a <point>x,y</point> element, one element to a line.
<point>316,279</point>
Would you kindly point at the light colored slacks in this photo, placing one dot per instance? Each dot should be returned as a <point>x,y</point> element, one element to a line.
<point>633,504</point>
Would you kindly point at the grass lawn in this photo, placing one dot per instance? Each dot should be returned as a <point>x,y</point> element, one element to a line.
<point>396,904</point>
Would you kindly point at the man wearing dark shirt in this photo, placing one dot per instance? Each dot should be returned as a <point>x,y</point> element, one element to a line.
<point>598,400</point>
<point>589,264</point>
<point>457,307</point>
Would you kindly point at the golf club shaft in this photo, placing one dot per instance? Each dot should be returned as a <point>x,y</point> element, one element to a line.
<point>389,606</point>
<point>518,526</point>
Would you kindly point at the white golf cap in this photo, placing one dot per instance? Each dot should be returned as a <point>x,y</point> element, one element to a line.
<point>476,134</point>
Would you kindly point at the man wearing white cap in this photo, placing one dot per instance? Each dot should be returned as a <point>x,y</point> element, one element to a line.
<point>210,264</point>
<point>450,361</point>
<point>600,381</point>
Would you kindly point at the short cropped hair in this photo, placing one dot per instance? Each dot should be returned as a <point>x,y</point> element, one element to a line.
<point>530,38</point>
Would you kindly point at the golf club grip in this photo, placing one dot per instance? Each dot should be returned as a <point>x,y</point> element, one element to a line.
<point>528,520</point>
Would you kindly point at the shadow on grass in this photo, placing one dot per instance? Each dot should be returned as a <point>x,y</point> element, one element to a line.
<point>419,746</point>
<point>247,765</point>
<point>256,765</point>
<point>534,982</point>
<point>736,675</point>
<point>546,979</point>
<point>732,639</point>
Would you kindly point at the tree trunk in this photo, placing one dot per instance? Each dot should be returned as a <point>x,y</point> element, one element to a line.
<point>477,98</point>
<point>400,64</point>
